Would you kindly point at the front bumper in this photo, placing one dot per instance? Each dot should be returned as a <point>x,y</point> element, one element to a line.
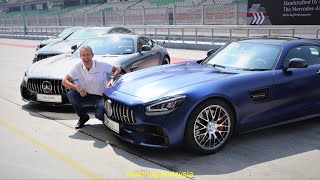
<point>138,128</point>
<point>31,96</point>
<point>143,134</point>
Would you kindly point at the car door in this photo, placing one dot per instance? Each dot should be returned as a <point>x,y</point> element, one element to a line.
<point>297,90</point>
<point>145,58</point>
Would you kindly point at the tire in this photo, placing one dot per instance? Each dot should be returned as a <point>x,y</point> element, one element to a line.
<point>209,127</point>
<point>165,60</point>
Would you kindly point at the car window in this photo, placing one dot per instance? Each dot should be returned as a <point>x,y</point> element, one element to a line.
<point>86,34</point>
<point>144,41</point>
<point>115,30</point>
<point>66,32</point>
<point>120,30</point>
<point>308,53</point>
<point>240,55</point>
<point>109,46</point>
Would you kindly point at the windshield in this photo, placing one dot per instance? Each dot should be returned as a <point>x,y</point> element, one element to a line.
<point>86,33</point>
<point>246,56</point>
<point>109,45</point>
<point>66,32</point>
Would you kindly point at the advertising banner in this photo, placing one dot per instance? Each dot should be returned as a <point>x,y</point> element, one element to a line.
<point>283,12</point>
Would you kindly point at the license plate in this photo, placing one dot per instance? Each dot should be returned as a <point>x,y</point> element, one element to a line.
<point>114,126</point>
<point>49,98</point>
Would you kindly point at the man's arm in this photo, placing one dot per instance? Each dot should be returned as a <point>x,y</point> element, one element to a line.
<point>67,83</point>
<point>115,73</point>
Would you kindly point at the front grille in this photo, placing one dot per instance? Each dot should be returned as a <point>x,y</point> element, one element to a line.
<point>122,112</point>
<point>42,86</point>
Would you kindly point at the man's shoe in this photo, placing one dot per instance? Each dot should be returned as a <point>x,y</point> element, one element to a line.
<point>81,123</point>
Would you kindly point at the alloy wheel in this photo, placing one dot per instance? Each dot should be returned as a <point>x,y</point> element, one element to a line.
<point>212,127</point>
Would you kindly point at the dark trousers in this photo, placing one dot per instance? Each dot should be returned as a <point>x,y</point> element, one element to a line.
<point>78,103</point>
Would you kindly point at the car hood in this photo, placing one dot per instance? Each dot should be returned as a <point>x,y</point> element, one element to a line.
<point>51,40</point>
<point>59,47</point>
<point>161,80</point>
<point>57,67</point>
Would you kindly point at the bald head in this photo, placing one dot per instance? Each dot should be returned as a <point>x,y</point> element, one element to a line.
<point>86,48</point>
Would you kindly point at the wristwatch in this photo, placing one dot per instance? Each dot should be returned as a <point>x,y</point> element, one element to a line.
<point>111,77</point>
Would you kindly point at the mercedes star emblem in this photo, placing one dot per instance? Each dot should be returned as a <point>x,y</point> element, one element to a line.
<point>46,87</point>
<point>108,106</point>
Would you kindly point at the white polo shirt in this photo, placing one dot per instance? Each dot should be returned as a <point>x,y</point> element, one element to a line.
<point>93,80</point>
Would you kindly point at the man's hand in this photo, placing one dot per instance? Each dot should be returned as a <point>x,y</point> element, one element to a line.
<point>109,83</point>
<point>81,91</point>
<point>115,73</point>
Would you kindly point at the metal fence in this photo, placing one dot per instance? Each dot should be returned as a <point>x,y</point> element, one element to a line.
<point>30,32</point>
<point>203,14</point>
<point>179,33</point>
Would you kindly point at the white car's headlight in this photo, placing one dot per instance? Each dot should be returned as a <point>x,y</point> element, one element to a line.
<point>164,105</point>
<point>25,77</point>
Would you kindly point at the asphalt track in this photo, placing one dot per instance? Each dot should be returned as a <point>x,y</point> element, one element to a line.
<point>39,142</point>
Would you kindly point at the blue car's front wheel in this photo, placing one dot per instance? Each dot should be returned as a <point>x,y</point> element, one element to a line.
<point>209,127</point>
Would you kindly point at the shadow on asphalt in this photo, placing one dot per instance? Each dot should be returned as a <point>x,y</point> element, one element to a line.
<point>82,135</point>
<point>55,112</point>
<point>243,151</point>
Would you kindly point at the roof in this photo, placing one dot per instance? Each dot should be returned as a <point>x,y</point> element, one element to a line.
<point>276,40</point>
<point>130,35</point>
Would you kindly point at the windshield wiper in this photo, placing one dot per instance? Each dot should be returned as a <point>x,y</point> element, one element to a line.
<point>252,69</point>
<point>218,65</point>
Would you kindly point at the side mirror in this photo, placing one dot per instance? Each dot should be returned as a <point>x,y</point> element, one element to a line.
<point>38,46</point>
<point>210,52</point>
<point>146,48</point>
<point>296,63</point>
<point>74,47</point>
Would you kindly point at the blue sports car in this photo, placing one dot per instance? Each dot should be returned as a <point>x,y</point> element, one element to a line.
<point>246,85</point>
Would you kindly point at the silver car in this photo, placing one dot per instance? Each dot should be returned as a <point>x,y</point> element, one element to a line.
<point>74,40</point>
<point>130,52</point>
<point>60,37</point>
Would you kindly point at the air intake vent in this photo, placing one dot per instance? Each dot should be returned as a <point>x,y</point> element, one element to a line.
<point>42,56</point>
<point>259,94</point>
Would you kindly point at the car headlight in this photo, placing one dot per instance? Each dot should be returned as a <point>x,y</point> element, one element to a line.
<point>35,56</point>
<point>25,77</point>
<point>164,105</point>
